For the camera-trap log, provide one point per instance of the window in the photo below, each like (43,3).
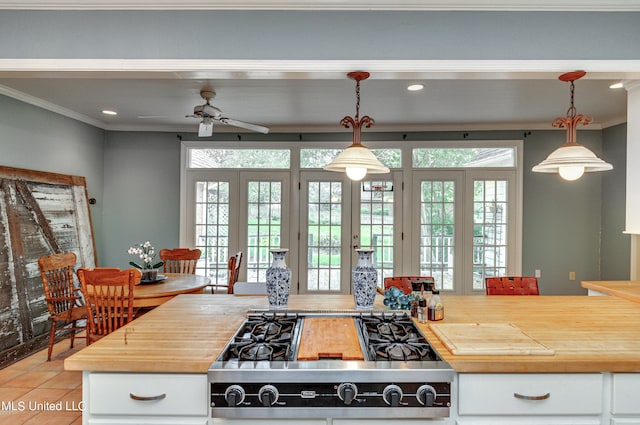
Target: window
(455,214)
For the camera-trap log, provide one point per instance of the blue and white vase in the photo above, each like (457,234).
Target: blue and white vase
(365,280)
(278,280)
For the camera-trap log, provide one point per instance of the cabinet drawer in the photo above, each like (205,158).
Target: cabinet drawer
(530,394)
(161,394)
(626,394)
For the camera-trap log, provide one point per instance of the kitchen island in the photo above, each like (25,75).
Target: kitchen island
(595,343)
(627,289)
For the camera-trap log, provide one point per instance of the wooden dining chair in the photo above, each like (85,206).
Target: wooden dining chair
(63,297)
(180,260)
(512,285)
(233,271)
(108,294)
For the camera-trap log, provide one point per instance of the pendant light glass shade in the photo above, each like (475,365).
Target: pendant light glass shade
(572,160)
(357,160)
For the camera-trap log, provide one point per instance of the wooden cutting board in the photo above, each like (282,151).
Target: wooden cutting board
(329,337)
(487,339)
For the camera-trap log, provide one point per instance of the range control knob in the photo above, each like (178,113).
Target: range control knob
(268,395)
(234,395)
(426,395)
(392,395)
(347,392)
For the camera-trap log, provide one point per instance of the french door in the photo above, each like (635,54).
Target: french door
(340,217)
(234,211)
(466,229)
(460,226)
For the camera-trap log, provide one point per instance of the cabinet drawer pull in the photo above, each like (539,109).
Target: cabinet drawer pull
(149,398)
(532,397)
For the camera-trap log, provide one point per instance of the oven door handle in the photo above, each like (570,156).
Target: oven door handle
(148,398)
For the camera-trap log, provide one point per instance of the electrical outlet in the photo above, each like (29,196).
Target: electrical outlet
(537,273)
(572,275)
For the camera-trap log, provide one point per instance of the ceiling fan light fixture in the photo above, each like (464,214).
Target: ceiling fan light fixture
(572,160)
(205,129)
(357,160)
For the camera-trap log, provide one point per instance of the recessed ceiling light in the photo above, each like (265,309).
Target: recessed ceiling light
(415,87)
(109,112)
(617,85)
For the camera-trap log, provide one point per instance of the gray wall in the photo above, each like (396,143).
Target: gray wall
(339,35)
(141,193)
(36,139)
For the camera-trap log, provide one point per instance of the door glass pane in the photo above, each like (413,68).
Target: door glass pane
(376,224)
(212,229)
(264,225)
(489,230)
(437,231)
(324,227)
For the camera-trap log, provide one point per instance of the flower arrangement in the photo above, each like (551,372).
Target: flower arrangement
(146,253)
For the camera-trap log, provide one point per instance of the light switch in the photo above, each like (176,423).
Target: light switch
(537,273)
(572,275)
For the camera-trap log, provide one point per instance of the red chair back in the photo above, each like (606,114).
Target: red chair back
(512,285)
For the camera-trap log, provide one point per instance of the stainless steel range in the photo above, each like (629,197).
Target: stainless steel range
(259,374)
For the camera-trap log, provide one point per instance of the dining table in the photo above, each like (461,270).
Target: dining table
(152,294)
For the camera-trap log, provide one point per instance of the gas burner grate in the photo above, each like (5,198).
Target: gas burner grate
(394,337)
(267,336)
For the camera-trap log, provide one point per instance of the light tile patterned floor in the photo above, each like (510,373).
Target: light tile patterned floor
(35,391)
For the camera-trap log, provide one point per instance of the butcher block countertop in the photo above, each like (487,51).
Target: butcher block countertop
(627,289)
(186,334)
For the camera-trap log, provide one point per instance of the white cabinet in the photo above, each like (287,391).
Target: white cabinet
(625,399)
(531,399)
(145,398)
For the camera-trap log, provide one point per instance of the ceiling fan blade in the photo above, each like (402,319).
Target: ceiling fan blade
(245,125)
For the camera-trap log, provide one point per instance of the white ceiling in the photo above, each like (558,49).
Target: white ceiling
(300,101)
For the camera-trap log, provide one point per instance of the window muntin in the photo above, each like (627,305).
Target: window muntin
(377,224)
(437,231)
(264,226)
(212,229)
(489,230)
(324,230)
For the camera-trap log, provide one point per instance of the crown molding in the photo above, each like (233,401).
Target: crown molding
(309,69)
(32,100)
(431,5)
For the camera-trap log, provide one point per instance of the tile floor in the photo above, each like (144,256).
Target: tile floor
(35,391)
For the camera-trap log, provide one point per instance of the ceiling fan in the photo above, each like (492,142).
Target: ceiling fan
(210,113)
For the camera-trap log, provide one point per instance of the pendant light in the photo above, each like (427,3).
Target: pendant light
(357,160)
(571,160)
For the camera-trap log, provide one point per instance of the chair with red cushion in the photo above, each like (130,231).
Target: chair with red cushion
(512,285)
